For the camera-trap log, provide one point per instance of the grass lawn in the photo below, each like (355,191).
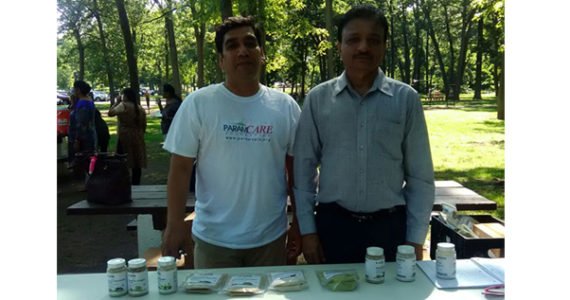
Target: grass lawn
(468,146)
(467,143)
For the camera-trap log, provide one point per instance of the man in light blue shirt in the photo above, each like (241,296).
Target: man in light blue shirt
(366,134)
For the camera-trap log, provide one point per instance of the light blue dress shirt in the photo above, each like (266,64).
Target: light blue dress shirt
(372,152)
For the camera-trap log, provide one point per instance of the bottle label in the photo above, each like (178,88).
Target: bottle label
(445,267)
(167,281)
(117,283)
(375,270)
(406,269)
(138,283)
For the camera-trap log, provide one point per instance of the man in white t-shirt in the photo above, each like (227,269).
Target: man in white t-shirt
(241,135)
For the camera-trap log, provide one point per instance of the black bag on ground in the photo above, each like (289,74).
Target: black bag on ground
(109,179)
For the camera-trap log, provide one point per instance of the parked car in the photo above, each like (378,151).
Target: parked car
(100,96)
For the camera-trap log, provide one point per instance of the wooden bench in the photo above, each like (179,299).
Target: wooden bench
(436,95)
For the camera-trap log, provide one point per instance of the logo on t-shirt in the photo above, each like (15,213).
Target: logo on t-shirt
(240,131)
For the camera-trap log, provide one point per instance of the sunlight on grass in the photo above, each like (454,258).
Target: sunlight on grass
(468,147)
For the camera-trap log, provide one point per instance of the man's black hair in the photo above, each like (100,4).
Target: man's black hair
(363,11)
(82,86)
(233,23)
(168,88)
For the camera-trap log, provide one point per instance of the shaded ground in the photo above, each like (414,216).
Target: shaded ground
(85,243)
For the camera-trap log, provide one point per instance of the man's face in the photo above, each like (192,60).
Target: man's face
(362,48)
(241,56)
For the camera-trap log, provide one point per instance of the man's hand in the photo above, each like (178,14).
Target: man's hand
(294,242)
(419,250)
(312,249)
(177,237)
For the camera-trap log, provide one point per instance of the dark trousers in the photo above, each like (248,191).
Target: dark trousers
(344,236)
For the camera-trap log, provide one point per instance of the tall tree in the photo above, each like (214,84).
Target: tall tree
(479,61)
(199,34)
(227,11)
(129,46)
(72,18)
(404,23)
(106,58)
(331,72)
(172,50)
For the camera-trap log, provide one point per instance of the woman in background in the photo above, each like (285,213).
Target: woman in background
(131,128)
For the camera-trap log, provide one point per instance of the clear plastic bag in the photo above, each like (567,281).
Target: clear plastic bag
(339,280)
(245,285)
(287,281)
(204,283)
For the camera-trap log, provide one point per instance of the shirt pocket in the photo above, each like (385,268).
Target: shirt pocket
(387,138)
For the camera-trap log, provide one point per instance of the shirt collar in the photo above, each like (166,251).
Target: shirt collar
(380,83)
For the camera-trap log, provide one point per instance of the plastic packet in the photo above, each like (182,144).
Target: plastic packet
(203,283)
(245,285)
(339,280)
(287,281)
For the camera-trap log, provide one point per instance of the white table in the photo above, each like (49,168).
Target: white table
(94,286)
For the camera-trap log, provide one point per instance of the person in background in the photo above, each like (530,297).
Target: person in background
(241,134)
(168,112)
(147,98)
(368,136)
(84,135)
(131,129)
(102,129)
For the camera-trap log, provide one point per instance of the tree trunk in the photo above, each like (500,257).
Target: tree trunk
(438,54)
(418,55)
(330,51)
(129,47)
(479,63)
(108,69)
(450,91)
(303,68)
(199,33)
(467,17)
(226,9)
(501,96)
(407,63)
(260,18)
(392,62)
(173,54)
(81,50)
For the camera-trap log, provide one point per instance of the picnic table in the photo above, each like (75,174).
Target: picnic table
(150,205)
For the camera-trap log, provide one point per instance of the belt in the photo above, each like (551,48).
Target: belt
(359,216)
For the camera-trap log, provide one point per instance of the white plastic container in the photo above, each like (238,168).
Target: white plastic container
(375,265)
(406,263)
(117,277)
(445,264)
(167,275)
(137,277)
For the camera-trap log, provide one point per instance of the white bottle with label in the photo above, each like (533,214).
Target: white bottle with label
(117,277)
(137,277)
(375,265)
(406,263)
(445,261)
(167,275)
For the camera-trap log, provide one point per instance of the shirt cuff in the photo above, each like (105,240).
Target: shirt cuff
(305,203)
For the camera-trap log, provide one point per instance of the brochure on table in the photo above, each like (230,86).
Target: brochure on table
(471,273)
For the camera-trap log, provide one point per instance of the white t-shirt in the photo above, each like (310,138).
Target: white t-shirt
(240,144)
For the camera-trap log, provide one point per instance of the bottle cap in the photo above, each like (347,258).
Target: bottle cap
(166,261)
(406,249)
(445,246)
(116,263)
(137,263)
(374,251)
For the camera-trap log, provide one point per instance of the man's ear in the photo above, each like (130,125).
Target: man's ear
(263,57)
